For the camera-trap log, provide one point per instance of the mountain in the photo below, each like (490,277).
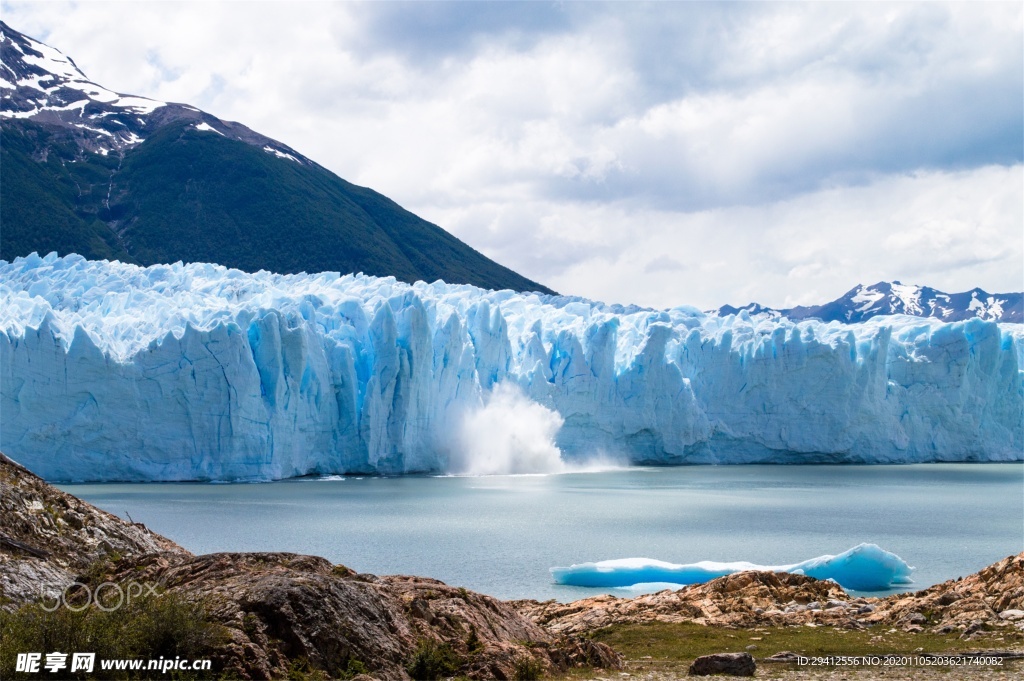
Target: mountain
(111,176)
(884,298)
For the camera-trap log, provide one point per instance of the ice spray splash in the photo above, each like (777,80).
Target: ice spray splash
(509,434)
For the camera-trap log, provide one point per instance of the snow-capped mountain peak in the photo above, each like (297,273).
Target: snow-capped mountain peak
(42,85)
(886,298)
(47,62)
(39,82)
(889,298)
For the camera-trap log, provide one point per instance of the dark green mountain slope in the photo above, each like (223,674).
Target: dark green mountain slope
(198,196)
(52,204)
(157,182)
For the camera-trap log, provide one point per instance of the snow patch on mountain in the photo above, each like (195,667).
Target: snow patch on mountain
(866,299)
(280,154)
(205,127)
(49,60)
(49,71)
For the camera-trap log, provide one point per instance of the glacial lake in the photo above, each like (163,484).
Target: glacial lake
(499,535)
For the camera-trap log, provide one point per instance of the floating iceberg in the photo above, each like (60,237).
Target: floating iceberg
(180,372)
(863,568)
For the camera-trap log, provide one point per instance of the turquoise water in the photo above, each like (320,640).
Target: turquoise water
(499,535)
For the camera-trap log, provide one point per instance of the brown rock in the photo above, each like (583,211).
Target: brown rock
(48,537)
(282,607)
(743,599)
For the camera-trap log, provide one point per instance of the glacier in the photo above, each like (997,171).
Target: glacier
(865,567)
(111,371)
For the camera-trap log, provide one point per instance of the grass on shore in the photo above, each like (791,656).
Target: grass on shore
(666,647)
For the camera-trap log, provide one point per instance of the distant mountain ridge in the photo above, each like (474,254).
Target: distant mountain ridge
(112,176)
(887,298)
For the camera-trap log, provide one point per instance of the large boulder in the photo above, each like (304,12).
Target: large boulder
(733,664)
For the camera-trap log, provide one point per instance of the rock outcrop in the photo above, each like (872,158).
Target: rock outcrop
(992,597)
(276,610)
(281,607)
(738,600)
(48,537)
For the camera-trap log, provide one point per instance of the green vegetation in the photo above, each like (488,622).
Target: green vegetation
(147,627)
(353,668)
(200,197)
(52,200)
(301,670)
(99,569)
(527,669)
(434,660)
(663,646)
(473,643)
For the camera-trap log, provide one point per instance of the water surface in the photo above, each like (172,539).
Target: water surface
(499,535)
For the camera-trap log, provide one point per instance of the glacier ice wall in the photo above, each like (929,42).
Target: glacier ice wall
(116,372)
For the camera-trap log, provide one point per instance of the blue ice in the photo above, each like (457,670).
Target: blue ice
(865,567)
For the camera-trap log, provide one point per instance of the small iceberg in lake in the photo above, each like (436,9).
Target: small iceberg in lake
(863,568)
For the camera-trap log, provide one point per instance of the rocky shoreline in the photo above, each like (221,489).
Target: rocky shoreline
(274,609)
(990,599)
(279,609)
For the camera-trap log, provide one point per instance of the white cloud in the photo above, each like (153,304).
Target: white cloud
(949,230)
(780,153)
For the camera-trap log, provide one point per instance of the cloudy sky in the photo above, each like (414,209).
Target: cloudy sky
(662,154)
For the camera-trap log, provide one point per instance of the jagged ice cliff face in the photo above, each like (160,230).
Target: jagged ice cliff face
(116,372)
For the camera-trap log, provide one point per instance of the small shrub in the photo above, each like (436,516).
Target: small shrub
(300,670)
(250,625)
(342,571)
(433,661)
(97,571)
(527,669)
(473,643)
(353,668)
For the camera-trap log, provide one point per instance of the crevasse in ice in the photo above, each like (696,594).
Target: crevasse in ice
(117,372)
